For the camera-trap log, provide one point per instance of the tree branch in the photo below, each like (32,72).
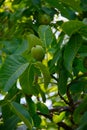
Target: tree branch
(65,126)
(45,115)
(63,98)
(60,109)
(71,102)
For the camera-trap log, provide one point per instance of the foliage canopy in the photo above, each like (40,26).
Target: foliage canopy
(47,94)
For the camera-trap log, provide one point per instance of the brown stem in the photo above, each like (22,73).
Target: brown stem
(59,109)
(65,126)
(63,98)
(71,102)
(45,115)
(54,77)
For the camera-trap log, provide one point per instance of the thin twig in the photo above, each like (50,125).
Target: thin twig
(45,115)
(54,77)
(63,98)
(65,126)
(60,109)
(71,102)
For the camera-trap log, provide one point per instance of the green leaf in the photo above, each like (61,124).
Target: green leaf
(60,6)
(45,34)
(3,102)
(83,5)
(31,106)
(71,50)
(33,41)
(79,85)
(11,46)
(82,127)
(6,112)
(83,123)
(83,31)
(72,27)
(62,81)
(1,2)
(26,80)
(37,120)
(45,72)
(22,113)
(79,110)
(16,2)
(12,121)
(75,4)
(58,50)
(42,108)
(84,118)
(12,68)
(58,118)
(22,47)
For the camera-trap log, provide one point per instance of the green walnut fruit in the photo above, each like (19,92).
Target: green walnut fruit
(38,52)
(85,62)
(44,19)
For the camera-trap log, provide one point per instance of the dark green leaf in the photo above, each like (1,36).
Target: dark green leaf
(12,121)
(75,4)
(42,108)
(26,80)
(6,112)
(62,81)
(22,113)
(80,110)
(60,6)
(37,120)
(71,50)
(16,1)
(1,2)
(83,5)
(79,85)
(72,26)
(31,106)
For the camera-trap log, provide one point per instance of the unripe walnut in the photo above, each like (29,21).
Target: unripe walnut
(44,19)
(38,52)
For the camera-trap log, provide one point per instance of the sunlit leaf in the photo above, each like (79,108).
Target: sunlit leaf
(58,118)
